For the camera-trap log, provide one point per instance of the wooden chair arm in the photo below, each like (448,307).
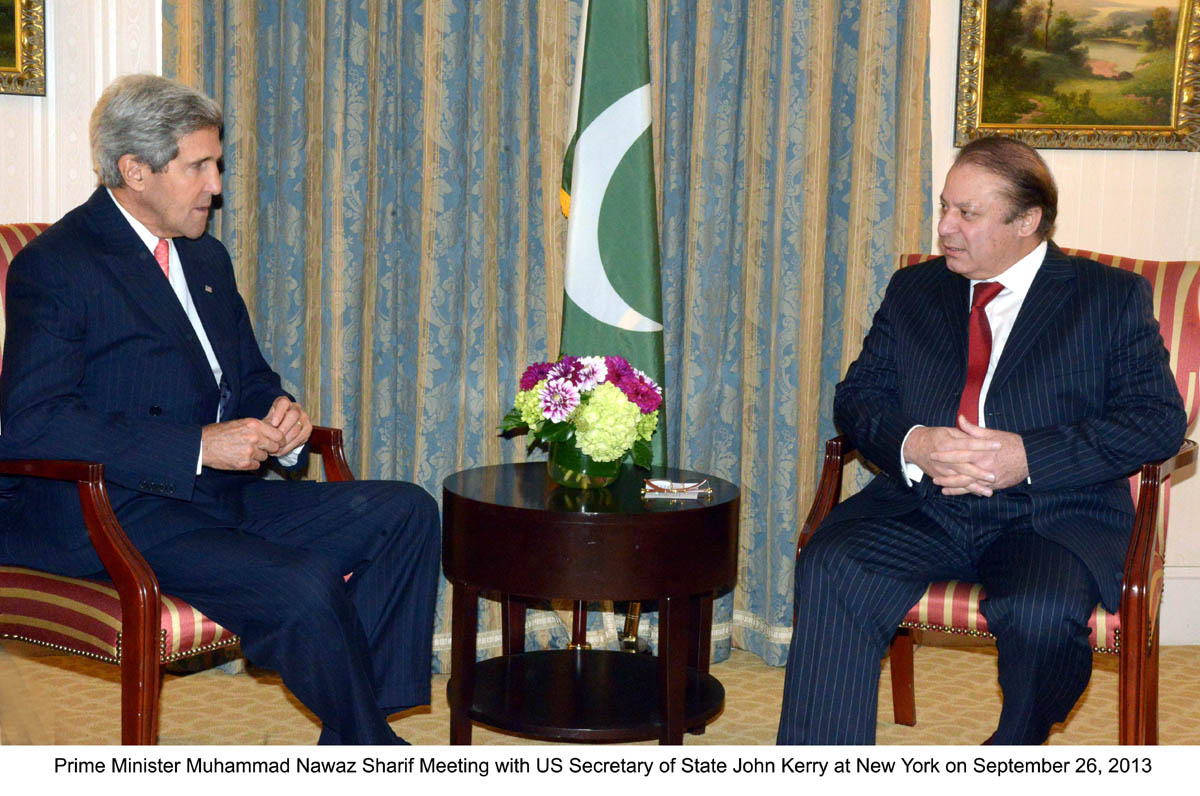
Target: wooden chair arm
(327,442)
(1142,584)
(829,488)
(118,555)
(137,588)
(58,470)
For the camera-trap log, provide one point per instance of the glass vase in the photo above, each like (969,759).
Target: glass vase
(571,467)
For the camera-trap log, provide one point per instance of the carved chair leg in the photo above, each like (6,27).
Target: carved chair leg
(1133,692)
(1150,696)
(904,702)
(141,682)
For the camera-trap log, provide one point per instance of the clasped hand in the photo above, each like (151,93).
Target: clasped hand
(968,459)
(245,443)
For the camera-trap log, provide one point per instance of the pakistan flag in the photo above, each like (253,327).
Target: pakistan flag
(613,302)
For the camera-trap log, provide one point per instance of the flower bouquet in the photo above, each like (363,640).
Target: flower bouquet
(592,412)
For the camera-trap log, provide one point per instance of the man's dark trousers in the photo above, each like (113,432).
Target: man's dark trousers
(352,651)
(856,580)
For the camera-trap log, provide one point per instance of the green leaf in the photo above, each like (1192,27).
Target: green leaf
(512,421)
(556,432)
(643,454)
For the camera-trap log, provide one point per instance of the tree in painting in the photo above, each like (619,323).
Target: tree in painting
(8,34)
(1079,62)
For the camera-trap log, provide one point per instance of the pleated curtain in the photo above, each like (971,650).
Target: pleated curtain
(391,206)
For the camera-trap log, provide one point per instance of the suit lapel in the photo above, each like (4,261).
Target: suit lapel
(954,300)
(133,266)
(1051,290)
(210,305)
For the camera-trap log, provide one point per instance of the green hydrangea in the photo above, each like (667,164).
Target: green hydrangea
(530,407)
(607,424)
(646,425)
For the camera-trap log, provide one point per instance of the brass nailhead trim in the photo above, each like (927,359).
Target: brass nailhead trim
(1114,650)
(162,655)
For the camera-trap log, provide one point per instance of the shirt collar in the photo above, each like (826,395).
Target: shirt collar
(1019,276)
(143,232)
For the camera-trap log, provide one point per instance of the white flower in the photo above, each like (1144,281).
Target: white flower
(558,399)
(593,372)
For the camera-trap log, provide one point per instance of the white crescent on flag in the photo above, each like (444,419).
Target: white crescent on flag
(598,152)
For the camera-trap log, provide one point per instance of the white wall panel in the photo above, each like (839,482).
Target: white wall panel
(44,158)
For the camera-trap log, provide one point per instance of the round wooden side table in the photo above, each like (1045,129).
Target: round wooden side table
(507,529)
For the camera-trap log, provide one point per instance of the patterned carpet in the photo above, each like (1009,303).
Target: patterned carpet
(46,698)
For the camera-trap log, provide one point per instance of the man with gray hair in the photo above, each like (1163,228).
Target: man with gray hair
(128,344)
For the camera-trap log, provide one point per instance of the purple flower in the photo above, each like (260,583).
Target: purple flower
(641,390)
(569,368)
(535,373)
(584,372)
(558,399)
(619,370)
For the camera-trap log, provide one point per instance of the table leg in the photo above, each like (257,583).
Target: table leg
(701,636)
(579,618)
(673,637)
(702,619)
(463,628)
(512,624)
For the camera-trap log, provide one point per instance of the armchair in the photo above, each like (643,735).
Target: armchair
(126,621)
(1132,632)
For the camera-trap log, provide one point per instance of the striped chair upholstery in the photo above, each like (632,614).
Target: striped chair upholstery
(953,606)
(127,621)
(13,238)
(84,617)
(74,614)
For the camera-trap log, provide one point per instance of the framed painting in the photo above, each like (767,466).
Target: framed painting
(23,47)
(1080,74)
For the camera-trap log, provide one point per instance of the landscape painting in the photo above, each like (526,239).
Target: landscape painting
(22,47)
(1080,72)
(8,34)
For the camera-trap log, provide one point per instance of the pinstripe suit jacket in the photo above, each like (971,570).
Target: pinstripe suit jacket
(1084,379)
(102,364)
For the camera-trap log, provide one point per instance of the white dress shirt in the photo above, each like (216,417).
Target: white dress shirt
(1001,314)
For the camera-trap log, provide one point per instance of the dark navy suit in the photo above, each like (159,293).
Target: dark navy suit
(102,364)
(1084,379)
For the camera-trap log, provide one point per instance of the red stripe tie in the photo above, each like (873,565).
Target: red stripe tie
(979,349)
(162,254)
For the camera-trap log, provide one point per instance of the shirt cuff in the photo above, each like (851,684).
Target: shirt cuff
(287,461)
(912,473)
(290,459)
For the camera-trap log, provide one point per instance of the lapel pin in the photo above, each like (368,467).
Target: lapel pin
(207,289)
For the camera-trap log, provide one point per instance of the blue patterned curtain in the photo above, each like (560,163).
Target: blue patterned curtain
(391,204)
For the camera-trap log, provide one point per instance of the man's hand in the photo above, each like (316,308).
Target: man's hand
(241,444)
(290,418)
(956,461)
(1005,464)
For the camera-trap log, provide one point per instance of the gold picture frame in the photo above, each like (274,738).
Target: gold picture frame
(23,47)
(1078,74)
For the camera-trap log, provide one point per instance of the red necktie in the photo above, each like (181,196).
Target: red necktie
(979,348)
(162,254)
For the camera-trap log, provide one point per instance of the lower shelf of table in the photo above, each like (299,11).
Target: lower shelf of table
(584,695)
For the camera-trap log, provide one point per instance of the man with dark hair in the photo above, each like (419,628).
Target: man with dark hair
(1004,392)
(128,344)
